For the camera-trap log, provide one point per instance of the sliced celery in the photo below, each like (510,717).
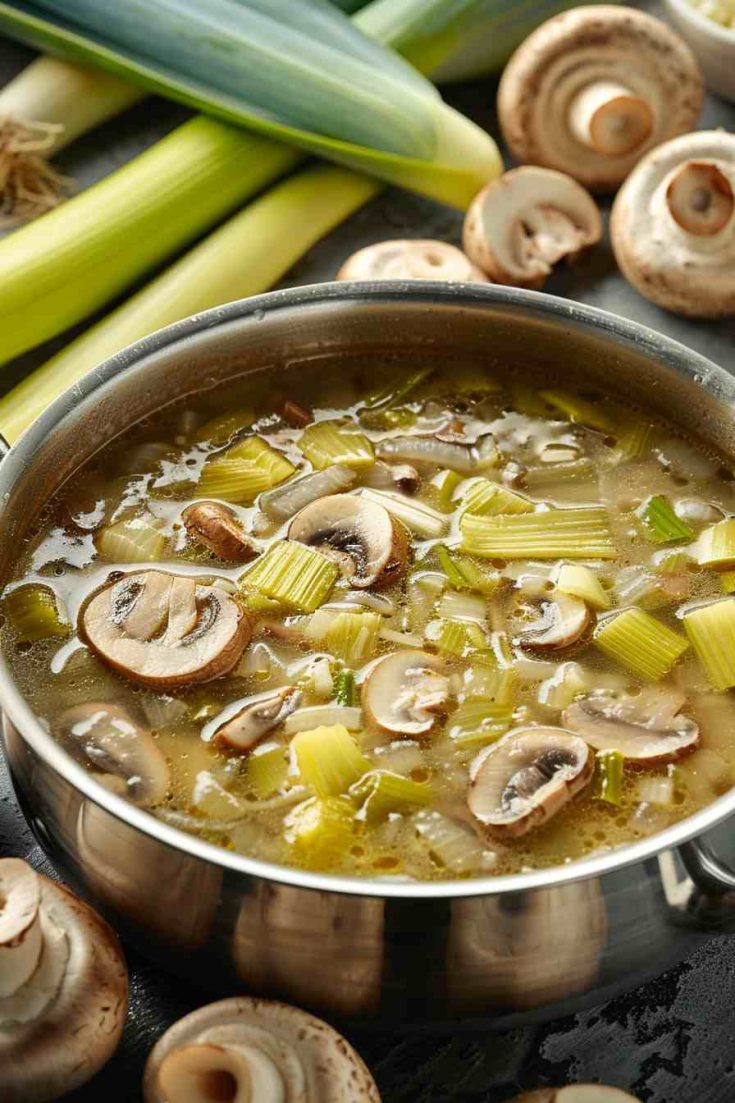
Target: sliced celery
(267,769)
(381,793)
(33,613)
(421,519)
(634,441)
(258,603)
(609,772)
(717,545)
(394,393)
(578,410)
(478,722)
(464,574)
(487,499)
(582,582)
(660,523)
(711,630)
(243,472)
(727,582)
(220,430)
(672,562)
(641,643)
(321,832)
(454,637)
(446,482)
(353,637)
(344,688)
(329,442)
(135,540)
(487,683)
(553,534)
(290,572)
(329,760)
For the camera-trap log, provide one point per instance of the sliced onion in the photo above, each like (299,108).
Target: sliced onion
(656,790)
(376,602)
(464,458)
(455,605)
(317,716)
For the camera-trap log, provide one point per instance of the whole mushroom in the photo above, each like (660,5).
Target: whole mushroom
(577,1093)
(593,89)
(247,1050)
(673,225)
(411,260)
(63,988)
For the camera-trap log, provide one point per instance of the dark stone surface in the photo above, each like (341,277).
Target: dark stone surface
(671,1041)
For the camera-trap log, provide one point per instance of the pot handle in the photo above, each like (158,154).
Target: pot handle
(713,901)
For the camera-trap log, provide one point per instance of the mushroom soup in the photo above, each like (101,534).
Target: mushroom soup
(448,626)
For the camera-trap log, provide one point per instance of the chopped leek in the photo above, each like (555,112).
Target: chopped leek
(727,582)
(446,482)
(486,499)
(329,760)
(641,643)
(344,688)
(451,844)
(459,605)
(711,630)
(329,442)
(554,534)
(577,410)
(397,392)
(717,545)
(33,613)
(381,793)
(464,574)
(421,519)
(298,576)
(321,832)
(582,582)
(609,773)
(633,442)
(243,471)
(660,523)
(220,430)
(135,540)
(454,637)
(353,637)
(267,769)
(478,722)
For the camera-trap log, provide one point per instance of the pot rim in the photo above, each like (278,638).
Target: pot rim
(702,371)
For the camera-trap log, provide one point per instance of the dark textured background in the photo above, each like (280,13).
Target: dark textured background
(671,1041)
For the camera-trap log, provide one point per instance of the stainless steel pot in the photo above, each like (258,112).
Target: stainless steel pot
(496,948)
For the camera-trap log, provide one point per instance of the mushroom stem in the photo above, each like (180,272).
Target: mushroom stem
(700,198)
(610,118)
(208,1073)
(20,930)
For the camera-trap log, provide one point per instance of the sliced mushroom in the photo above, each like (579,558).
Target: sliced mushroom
(673,225)
(405,692)
(63,988)
(251,1049)
(216,527)
(522,224)
(411,260)
(647,728)
(562,622)
(293,413)
(257,718)
(105,737)
(370,546)
(523,780)
(577,1093)
(465,458)
(398,476)
(593,89)
(164,630)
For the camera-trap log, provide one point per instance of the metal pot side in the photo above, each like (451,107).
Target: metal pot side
(496,949)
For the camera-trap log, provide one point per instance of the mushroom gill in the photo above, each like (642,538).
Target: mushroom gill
(253,719)
(165,631)
(593,89)
(673,225)
(525,778)
(561,622)
(249,1050)
(406,692)
(411,260)
(648,728)
(63,988)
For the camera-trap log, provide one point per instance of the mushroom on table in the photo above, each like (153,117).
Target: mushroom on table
(63,988)
(411,260)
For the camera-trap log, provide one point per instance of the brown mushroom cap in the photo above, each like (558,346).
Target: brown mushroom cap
(562,622)
(253,720)
(370,546)
(593,89)
(62,1015)
(106,737)
(576,1093)
(246,1048)
(216,527)
(522,224)
(164,630)
(525,778)
(647,728)
(405,691)
(673,225)
(411,260)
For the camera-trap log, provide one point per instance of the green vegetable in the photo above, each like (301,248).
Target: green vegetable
(455,637)
(380,793)
(577,410)
(321,832)
(553,534)
(290,572)
(328,442)
(581,582)
(464,574)
(33,613)
(243,471)
(328,759)
(717,548)
(486,499)
(479,721)
(727,582)
(344,688)
(609,775)
(397,392)
(445,483)
(267,769)
(135,540)
(711,630)
(641,643)
(353,637)
(421,519)
(660,523)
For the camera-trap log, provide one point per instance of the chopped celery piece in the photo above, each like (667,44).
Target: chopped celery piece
(33,613)
(453,637)
(464,574)
(329,442)
(329,759)
(459,605)
(553,534)
(135,540)
(527,401)
(478,722)
(484,682)
(487,499)
(609,770)
(353,637)
(672,562)
(558,691)
(660,523)
(321,832)
(344,688)
(446,482)
(634,441)
(727,582)
(641,643)
(290,572)
(711,630)
(582,582)
(717,545)
(220,430)
(397,392)
(267,769)
(577,410)
(258,603)
(380,793)
(243,472)
(421,519)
